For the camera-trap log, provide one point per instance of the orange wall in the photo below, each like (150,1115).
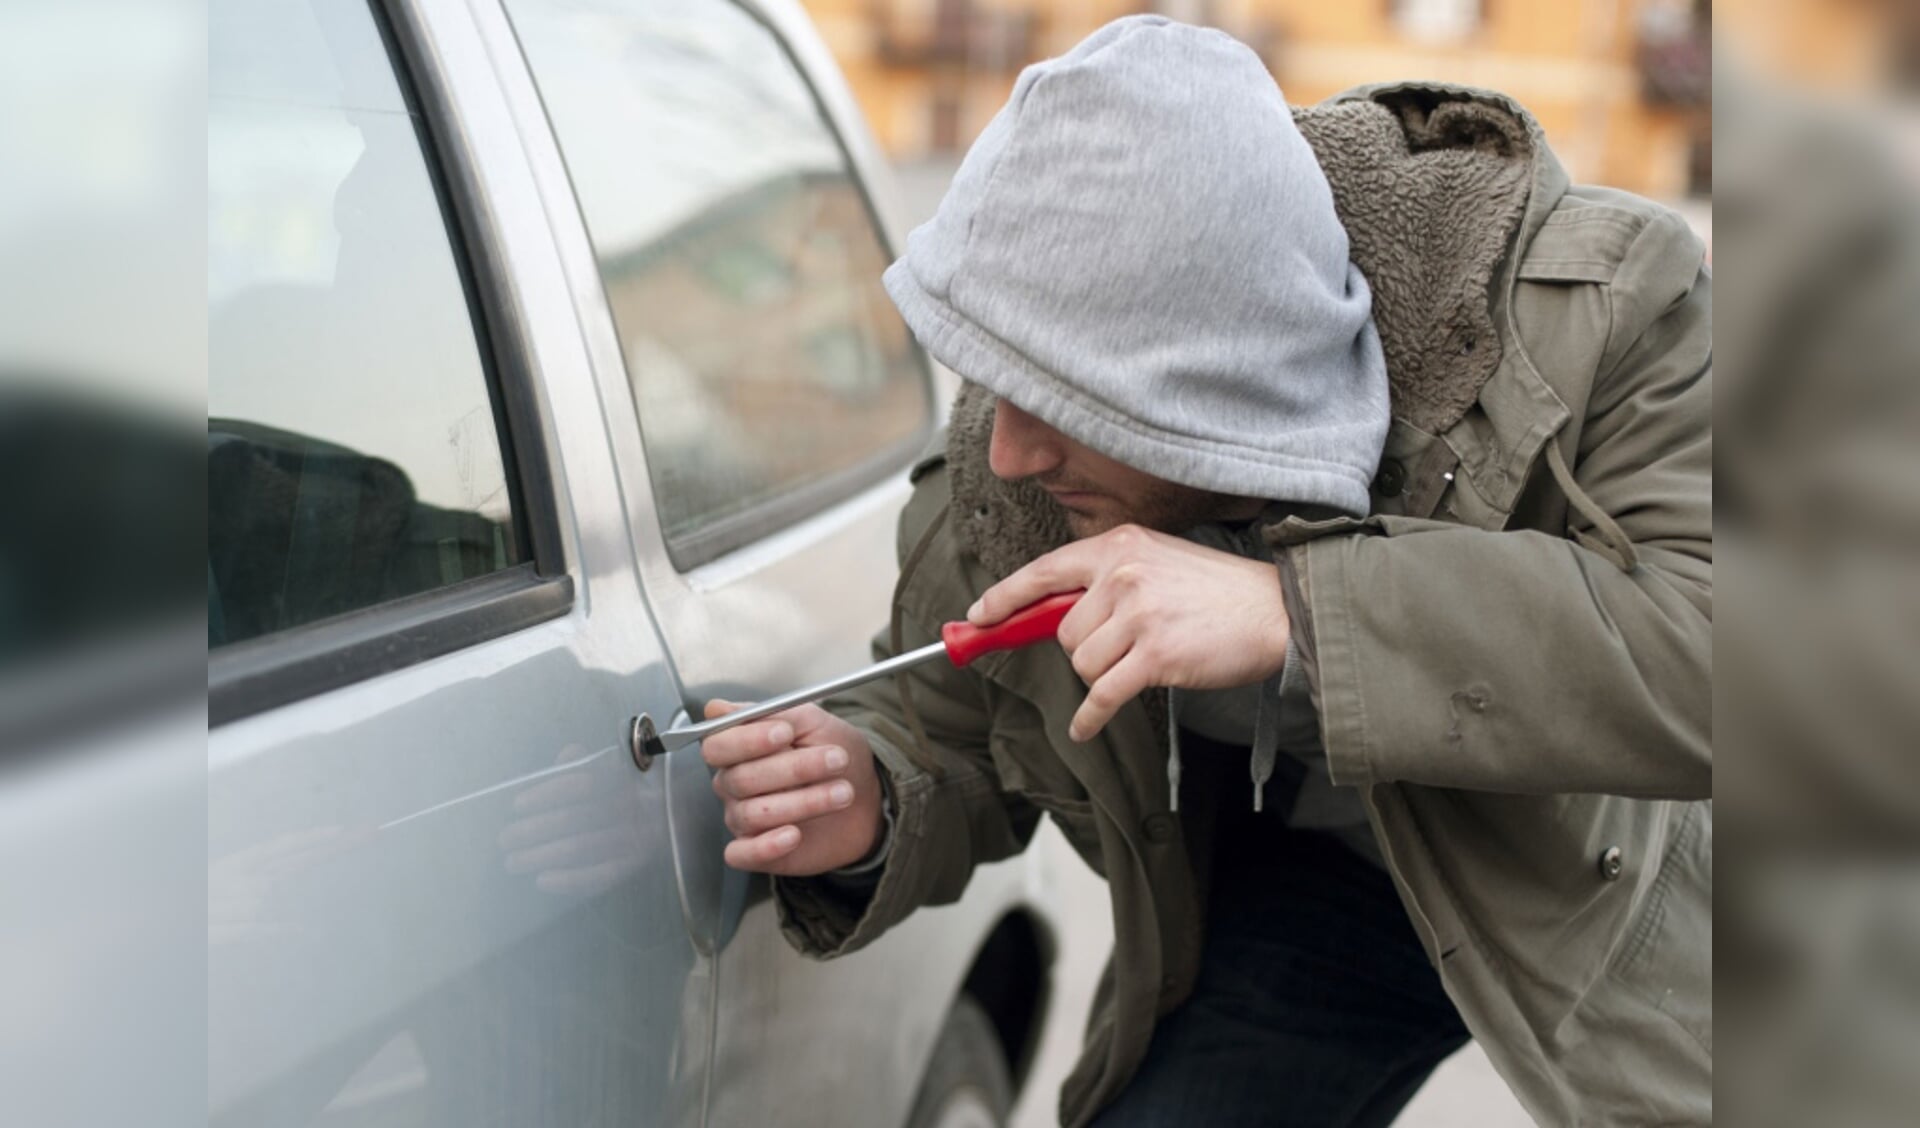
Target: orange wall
(1838,45)
(1569,61)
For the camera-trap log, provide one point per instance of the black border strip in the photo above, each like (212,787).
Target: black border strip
(259,674)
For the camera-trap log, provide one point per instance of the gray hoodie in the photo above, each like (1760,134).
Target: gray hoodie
(1142,251)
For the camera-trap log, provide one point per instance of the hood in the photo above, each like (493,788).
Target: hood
(1434,183)
(1142,251)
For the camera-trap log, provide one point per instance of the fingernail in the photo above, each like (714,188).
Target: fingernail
(1073,733)
(977,610)
(840,794)
(780,735)
(788,838)
(836,759)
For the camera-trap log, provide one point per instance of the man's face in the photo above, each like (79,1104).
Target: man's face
(1098,493)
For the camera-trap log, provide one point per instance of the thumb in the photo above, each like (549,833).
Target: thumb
(719,707)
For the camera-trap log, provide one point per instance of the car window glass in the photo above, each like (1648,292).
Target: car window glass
(353,450)
(770,371)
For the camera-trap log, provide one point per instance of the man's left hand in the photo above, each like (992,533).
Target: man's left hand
(1159,611)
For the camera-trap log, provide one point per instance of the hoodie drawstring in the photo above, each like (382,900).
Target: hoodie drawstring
(1266,737)
(1173,750)
(1613,542)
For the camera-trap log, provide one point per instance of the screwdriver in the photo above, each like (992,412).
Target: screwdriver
(960,643)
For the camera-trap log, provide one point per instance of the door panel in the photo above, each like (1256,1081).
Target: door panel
(490,882)
(764,397)
(713,893)
(443,894)
(798,1041)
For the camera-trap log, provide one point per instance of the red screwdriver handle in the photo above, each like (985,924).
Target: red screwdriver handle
(1033,623)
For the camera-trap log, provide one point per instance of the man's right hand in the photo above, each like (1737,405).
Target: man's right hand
(801,793)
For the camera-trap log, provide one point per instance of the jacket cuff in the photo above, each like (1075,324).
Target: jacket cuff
(865,873)
(835,913)
(1314,586)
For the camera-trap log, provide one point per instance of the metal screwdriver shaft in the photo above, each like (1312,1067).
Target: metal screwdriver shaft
(960,643)
(675,738)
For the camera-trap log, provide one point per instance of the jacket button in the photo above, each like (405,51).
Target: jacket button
(1391,479)
(1611,863)
(1161,827)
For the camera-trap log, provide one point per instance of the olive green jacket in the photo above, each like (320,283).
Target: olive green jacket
(1511,658)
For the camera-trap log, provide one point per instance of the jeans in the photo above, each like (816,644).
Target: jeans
(1315,1004)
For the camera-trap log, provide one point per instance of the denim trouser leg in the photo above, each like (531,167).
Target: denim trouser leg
(1315,1004)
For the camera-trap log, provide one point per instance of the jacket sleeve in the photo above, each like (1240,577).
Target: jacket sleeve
(950,813)
(1522,661)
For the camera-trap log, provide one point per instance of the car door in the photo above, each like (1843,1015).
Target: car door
(764,397)
(765,401)
(440,891)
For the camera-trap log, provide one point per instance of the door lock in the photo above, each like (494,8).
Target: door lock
(643,742)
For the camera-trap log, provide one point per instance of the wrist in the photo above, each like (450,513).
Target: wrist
(1276,629)
(882,840)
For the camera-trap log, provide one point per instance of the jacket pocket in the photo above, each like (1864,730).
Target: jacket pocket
(1668,958)
(1024,760)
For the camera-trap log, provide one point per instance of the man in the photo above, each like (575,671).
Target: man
(1460,648)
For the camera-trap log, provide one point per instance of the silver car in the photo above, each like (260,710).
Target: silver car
(550,381)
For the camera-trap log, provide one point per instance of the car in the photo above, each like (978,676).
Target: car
(550,384)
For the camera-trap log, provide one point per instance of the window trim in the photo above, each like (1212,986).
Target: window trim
(757,522)
(482,265)
(261,673)
(254,675)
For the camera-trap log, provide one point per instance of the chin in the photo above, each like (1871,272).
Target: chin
(1084,525)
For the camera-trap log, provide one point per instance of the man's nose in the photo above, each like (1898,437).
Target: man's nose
(1022,445)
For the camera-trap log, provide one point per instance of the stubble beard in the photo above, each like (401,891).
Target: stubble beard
(1163,507)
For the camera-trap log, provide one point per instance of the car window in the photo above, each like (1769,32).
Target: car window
(353,445)
(741,262)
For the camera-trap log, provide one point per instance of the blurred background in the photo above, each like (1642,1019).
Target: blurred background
(1622,87)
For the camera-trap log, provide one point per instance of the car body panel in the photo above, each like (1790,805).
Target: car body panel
(379,953)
